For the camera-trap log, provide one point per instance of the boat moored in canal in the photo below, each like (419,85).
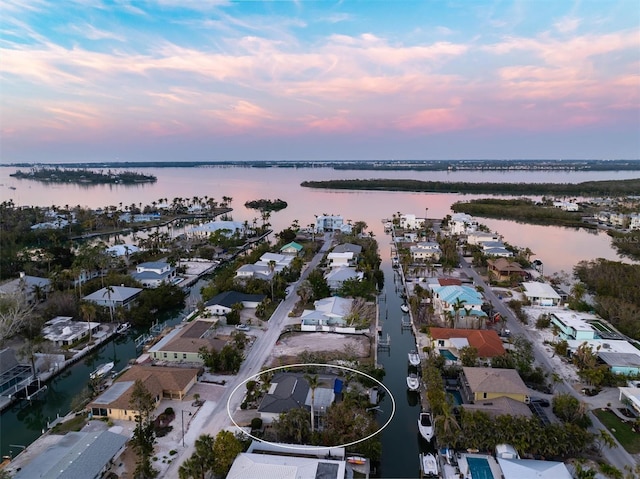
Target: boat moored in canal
(425,425)
(413,382)
(102,370)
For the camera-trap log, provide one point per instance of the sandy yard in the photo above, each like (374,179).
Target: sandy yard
(292,345)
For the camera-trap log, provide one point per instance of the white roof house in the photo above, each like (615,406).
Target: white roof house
(339,260)
(533,469)
(479,237)
(228,227)
(631,397)
(154,273)
(260,466)
(337,276)
(64,331)
(122,250)
(541,294)
(114,296)
(334,306)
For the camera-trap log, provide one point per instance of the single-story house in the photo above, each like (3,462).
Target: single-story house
(541,294)
(114,296)
(161,382)
(328,313)
(485,341)
(182,345)
(479,384)
(291,390)
(356,249)
(288,461)
(293,249)
(222,303)
(228,228)
(504,270)
(265,267)
(80,454)
(631,397)
(119,250)
(337,276)
(479,237)
(500,406)
(64,331)
(619,355)
(533,469)
(34,288)
(153,274)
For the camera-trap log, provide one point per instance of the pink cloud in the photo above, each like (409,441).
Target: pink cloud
(432,121)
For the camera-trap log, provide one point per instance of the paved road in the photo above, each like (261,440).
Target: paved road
(215,419)
(616,456)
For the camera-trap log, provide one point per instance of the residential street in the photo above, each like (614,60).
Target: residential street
(213,419)
(617,456)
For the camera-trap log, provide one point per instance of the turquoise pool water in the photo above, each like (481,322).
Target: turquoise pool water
(448,355)
(457,397)
(479,468)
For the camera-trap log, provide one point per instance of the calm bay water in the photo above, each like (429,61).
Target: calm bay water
(559,248)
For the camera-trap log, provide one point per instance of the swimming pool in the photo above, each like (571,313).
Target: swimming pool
(479,467)
(457,397)
(448,355)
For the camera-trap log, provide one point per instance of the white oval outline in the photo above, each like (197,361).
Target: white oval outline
(305,447)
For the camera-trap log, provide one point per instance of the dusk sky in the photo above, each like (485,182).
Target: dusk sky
(97,80)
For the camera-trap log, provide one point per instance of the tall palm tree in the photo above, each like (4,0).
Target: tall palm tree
(88,312)
(457,306)
(313,382)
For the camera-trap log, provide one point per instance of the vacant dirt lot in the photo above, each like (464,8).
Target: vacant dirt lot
(290,346)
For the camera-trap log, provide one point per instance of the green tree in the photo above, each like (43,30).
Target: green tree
(568,409)
(469,356)
(144,437)
(293,426)
(225,450)
(201,462)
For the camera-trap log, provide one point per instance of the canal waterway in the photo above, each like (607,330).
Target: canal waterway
(24,421)
(401,442)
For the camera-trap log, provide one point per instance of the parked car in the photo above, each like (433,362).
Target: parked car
(542,401)
(242,327)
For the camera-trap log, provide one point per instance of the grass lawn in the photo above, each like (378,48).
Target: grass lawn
(74,424)
(620,430)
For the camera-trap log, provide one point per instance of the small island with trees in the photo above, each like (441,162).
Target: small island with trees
(83,176)
(266,205)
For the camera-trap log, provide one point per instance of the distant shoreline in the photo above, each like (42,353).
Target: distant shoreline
(587,188)
(370,165)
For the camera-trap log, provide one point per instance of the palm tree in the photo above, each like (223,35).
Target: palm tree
(88,312)
(313,384)
(457,306)
(108,290)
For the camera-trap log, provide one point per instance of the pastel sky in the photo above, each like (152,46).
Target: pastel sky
(120,80)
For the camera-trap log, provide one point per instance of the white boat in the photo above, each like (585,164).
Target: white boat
(414,358)
(425,426)
(404,307)
(122,327)
(413,382)
(102,370)
(429,465)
